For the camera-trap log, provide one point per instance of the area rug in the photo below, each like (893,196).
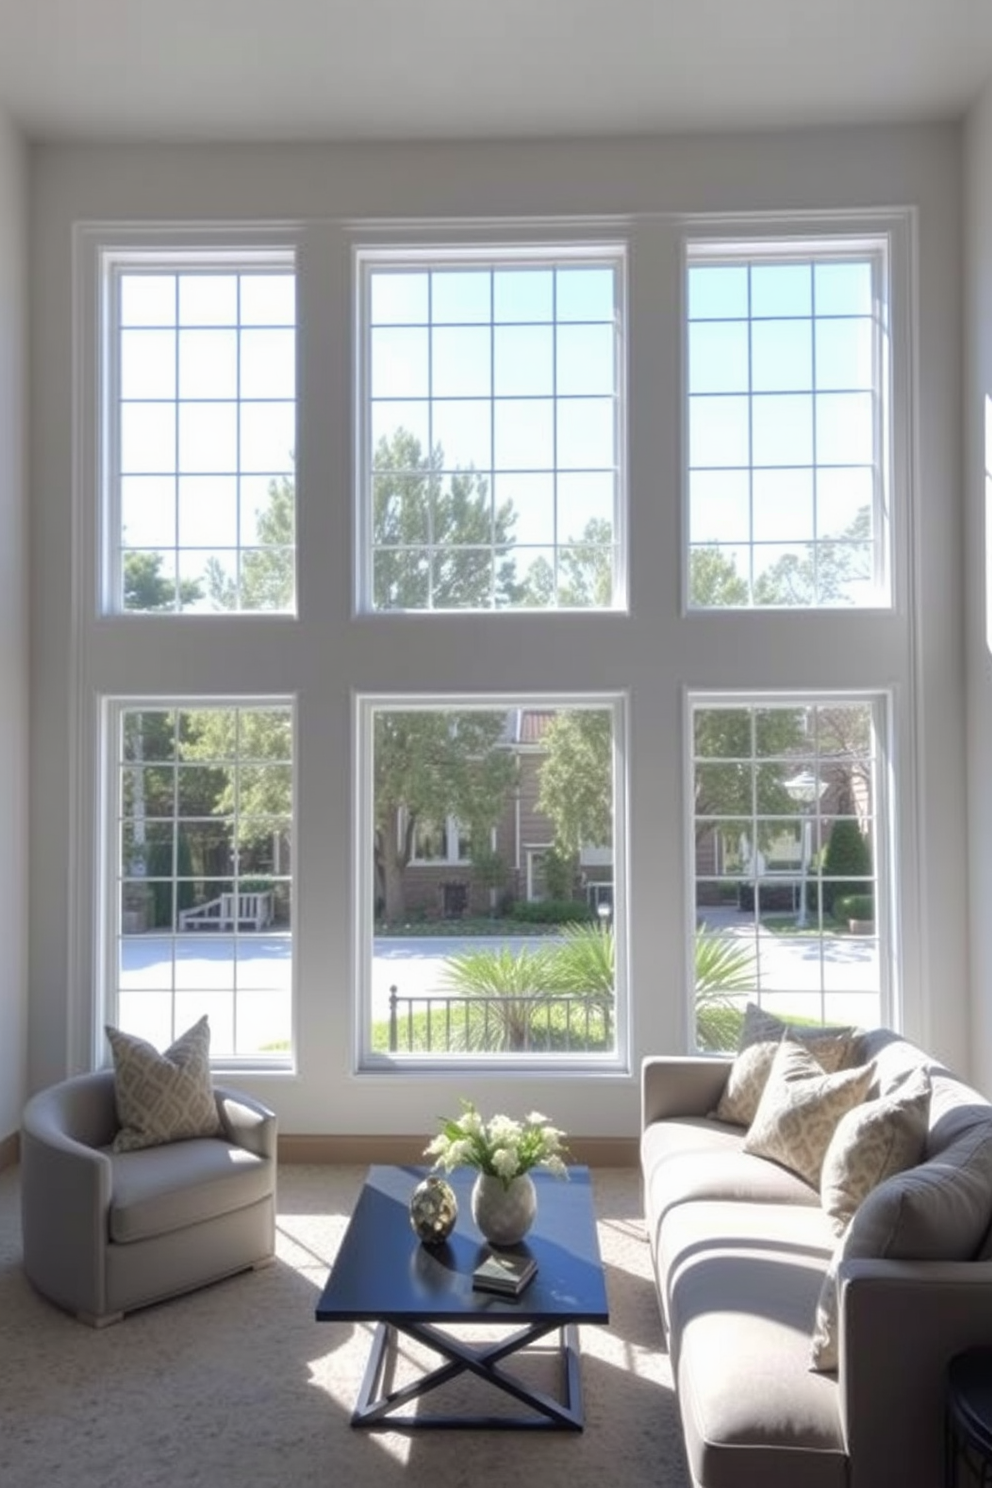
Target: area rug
(237,1386)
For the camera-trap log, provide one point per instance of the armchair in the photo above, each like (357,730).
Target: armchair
(107,1232)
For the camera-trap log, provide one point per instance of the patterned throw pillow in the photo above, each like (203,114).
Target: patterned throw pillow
(871,1143)
(163,1097)
(800,1108)
(835,1048)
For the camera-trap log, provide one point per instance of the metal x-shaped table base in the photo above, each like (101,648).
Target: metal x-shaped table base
(375,1409)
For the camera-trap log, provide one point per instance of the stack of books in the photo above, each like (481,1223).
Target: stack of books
(505,1273)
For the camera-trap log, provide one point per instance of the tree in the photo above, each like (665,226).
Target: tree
(714,580)
(434,533)
(727,783)
(429,766)
(847,853)
(268,571)
(585,572)
(824,572)
(147,588)
(576,779)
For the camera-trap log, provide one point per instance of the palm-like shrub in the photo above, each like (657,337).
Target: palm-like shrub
(500,979)
(583,963)
(724,969)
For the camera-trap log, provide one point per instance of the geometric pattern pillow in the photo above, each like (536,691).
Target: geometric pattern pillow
(871,1143)
(835,1048)
(800,1108)
(163,1097)
(939,1210)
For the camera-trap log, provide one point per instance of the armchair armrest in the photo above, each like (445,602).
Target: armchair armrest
(900,1324)
(65,1202)
(681,1085)
(247,1122)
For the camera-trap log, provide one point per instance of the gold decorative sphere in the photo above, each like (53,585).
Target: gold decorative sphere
(433,1210)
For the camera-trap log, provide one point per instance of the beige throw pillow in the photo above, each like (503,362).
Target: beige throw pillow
(873,1141)
(835,1048)
(800,1108)
(938,1211)
(163,1097)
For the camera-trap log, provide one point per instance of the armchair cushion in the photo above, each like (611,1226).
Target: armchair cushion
(163,1097)
(173,1187)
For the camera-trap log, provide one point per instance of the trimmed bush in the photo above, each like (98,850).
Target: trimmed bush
(848,857)
(854,907)
(552,911)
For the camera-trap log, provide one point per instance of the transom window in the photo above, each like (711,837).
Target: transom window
(202,433)
(788,424)
(202,875)
(491,444)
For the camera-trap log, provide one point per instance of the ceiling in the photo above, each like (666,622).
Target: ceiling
(462,69)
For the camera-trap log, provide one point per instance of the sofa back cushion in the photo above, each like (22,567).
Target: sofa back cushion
(800,1108)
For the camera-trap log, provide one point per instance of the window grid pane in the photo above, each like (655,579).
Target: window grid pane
(203,459)
(203,878)
(789,889)
(787,428)
(492,453)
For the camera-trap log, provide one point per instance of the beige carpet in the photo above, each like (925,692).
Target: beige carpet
(236,1386)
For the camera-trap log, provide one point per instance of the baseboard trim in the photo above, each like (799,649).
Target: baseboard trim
(10,1150)
(596,1152)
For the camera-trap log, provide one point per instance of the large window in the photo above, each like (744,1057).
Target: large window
(788,424)
(202,433)
(500,953)
(790,862)
(202,893)
(492,441)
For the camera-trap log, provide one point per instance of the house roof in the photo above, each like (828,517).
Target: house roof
(458,69)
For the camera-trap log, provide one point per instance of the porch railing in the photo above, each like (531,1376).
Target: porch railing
(536,1023)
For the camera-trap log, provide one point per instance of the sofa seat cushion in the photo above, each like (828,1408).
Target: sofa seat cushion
(159,1189)
(695,1157)
(742,1282)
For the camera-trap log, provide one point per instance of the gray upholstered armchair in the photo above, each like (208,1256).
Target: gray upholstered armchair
(106,1232)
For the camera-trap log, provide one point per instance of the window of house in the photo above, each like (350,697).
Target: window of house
(496,970)
(788,424)
(491,445)
(790,846)
(201,897)
(201,432)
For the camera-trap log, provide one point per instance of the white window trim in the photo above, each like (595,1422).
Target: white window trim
(886,844)
(893,233)
(463,246)
(364,707)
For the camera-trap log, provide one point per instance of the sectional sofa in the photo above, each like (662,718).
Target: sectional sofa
(809,1344)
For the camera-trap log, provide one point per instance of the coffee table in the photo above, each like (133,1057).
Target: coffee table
(383,1274)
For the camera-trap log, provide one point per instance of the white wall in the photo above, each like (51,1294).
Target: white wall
(920,658)
(978,496)
(13,628)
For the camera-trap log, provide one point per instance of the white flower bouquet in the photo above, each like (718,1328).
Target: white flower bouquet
(501,1147)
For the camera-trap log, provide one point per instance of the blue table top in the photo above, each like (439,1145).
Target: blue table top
(382,1271)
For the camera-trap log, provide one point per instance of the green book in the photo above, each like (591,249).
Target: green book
(501,1272)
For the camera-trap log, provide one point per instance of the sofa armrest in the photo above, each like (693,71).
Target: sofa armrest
(247,1122)
(681,1085)
(900,1324)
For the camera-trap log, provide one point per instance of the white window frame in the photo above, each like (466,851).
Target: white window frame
(111,712)
(886,846)
(888,243)
(365,705)
(174,250)
(464,249)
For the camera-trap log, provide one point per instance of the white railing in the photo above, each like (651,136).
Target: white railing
(254,910)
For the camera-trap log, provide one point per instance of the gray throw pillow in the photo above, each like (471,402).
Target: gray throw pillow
(873,1141)
(163,1097)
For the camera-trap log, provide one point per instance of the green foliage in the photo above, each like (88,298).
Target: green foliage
(854,907)
(726,783)
(846,863)
(714,580)
(585,573)
(820,574)
(507,980)
(551,911)
(583,963)
(724,968)
(268,571)
(560,873)
(576,779)
(147,589)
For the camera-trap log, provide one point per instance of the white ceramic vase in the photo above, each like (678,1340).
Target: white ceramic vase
(504,1214)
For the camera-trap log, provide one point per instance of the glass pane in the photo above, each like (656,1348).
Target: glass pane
(524,434)
(148,511)
(399,297)
(532,499)
(208,437)
(461,362)
(524,361)
(208,364)
(585,294)
(845,432)
(208,299)
(719,431)
(461,295)
(462,429)
(843,289)
(208,511)
(782,429)
(148,438)
(148,364)
(148,299)
(268,364)
(844,354)
(782,355)
(585,360)
(719,506)
(586,505)
(719,361)
(268,299)
(781,289)
(399,364)
(522,295)
(586,433)
(783,505)
(718,292)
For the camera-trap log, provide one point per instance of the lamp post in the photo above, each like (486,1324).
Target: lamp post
(806,789)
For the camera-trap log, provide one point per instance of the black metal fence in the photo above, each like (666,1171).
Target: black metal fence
(535,1023)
